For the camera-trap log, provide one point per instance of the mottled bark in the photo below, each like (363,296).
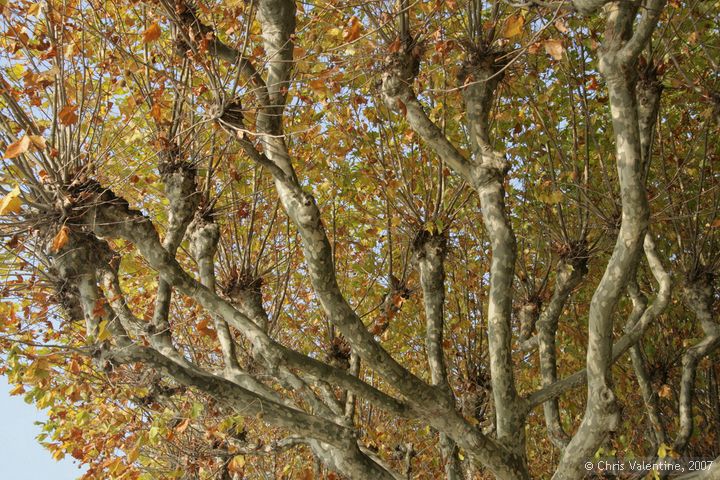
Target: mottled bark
(649,395)
(485,174)
(568,277)
(698,296)
(203,239)
(430,251)
(618,57)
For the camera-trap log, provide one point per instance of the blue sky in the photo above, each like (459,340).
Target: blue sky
(21,456)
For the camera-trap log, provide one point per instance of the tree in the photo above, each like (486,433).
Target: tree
(362,240)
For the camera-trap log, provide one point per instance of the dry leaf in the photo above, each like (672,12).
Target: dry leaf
(67,115)
(513,26)
(10,202)
(156,112)
(38,141)
(182,426)
(395,46)
(236,464)
(152,33)
(62,238)
(554,48)
(18,148)
(665,391)
(561,26)
(402,107)
(352,32)
(317,84)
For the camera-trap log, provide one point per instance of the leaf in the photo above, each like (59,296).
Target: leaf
(353,31)
(561,26)
(152,33)
(18,148)
(317,85)
(665,391)
(236,464)
(10,202)
(554,48)
(513,26)
(67,115)
(156,112)
(18,390)
(395,46)
(37,141)
(182,426)
(62,238)
(103,332)
(402,107)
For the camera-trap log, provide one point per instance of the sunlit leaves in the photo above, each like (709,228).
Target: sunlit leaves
(18,147)
(61,239)
(11,202)
(152,33)
(513,26)
(554,48)
(68,115)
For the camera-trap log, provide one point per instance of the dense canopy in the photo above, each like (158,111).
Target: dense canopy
(366,240)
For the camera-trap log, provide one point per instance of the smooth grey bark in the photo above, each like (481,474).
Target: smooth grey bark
(698,296)
(485,174)
(181,192)
(204,236)
(618,58)
(430,252)
(649,395)
(568,277)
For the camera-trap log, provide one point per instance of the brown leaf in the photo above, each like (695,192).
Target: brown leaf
(67,115)
(61,239)
(18,148)
(402,107)
(38,141)
(182,426)
(152,33)
(353,31)
(156,112)
(665,391)
(395,46)
(554,48)
(561,26)
(513,26)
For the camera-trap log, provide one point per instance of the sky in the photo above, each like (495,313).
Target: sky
(21,456)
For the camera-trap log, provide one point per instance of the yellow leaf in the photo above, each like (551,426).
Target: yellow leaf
(38,141)
(18,148)
(152,33)
(554,48)
(61,239)
(513,26)
(33,10)
(19,390)
(10,202)
(236,464)
(103,333)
